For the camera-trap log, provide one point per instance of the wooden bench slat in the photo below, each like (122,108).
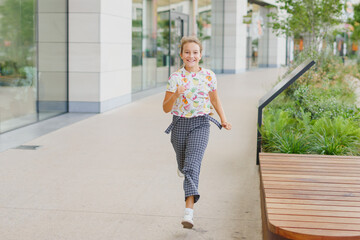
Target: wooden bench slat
(316,172)
(314,219)
(310,168)
(318,225)
(312,186)
(306,156)
(316,189)
(312,163)
(312,212)
(313,202)
(316,164)
(313,207)
(313,197)
(313,178)
(312,192)
(317,234)
(311,160)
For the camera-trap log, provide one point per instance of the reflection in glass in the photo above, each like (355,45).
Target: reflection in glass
(144,57)
(149,44)
(33,62)
(255,31)
(179,27)
(163,46)
(137,45)
(18,76)
(159,25)
(258,37)
(204,31)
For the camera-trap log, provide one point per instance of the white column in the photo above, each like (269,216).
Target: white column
(52,58)
(99,54)
(281,51)
(234,36)
(264,40)
(217,36)
(84,55)
(115,52)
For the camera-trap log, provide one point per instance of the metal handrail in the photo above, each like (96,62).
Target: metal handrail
(275,91)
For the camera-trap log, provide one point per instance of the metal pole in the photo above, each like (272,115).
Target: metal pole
(260,109)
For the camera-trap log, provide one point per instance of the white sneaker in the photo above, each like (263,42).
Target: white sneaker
(187,220)
(179,173)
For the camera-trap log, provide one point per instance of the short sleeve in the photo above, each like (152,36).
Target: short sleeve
(172,83)
(213,82)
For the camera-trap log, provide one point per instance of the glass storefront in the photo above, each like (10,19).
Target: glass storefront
(257,36)
(158,26)
(33,61)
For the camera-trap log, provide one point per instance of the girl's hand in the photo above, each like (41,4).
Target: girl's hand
(226,125)
(180,90)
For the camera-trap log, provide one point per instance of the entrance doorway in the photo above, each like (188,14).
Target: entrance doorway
(172,26)
(179,27)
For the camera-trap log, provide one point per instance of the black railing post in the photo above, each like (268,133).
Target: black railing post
(259,135)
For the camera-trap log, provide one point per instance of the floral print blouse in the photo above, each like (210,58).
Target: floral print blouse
(195,101)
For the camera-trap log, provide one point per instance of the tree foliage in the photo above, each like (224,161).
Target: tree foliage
(311,19)
(356,23)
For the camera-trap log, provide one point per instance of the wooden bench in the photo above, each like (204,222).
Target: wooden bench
(310,197)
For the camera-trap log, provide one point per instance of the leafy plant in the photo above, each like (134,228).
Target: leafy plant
(336,137)
(279,134)
(315,115)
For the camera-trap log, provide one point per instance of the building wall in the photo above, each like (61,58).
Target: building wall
(100,51)
(115,39)
(99,54)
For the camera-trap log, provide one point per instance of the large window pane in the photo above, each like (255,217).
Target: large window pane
(33,61)
(18,78)
(137,45)
(163,44)
(144,45)
(158,26)
(149,43)
(210,30)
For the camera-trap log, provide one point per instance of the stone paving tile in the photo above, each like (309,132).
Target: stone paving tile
(113,175)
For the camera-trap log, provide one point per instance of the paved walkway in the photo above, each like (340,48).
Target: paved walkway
(113,175)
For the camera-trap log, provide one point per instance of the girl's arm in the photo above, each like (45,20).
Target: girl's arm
(171,97)
(215,101)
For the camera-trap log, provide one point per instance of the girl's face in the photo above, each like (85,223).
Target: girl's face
(191,55)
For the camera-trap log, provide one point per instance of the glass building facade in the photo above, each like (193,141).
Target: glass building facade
(37,81)
(158,26)
(257,53)
(33,61)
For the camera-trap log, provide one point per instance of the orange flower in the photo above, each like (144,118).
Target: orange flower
(208,78)
(184,80)
(185,101)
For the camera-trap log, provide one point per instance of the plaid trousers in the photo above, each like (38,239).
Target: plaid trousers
(189,137)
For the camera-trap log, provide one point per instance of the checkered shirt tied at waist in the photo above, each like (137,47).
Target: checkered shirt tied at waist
(176,118)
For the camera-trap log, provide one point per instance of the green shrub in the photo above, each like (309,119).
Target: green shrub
(288,142)
(279,134)
(337,136)
(317,114)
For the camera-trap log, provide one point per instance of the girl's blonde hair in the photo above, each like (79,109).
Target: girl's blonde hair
(189,39)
